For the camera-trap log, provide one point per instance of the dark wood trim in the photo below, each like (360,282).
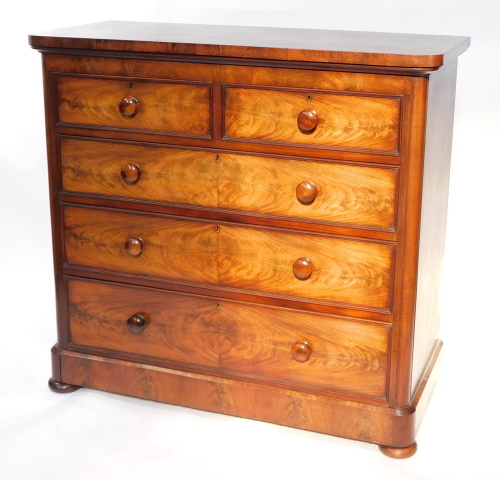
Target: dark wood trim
(56,363)
(60,387)
(357,160)
(264,149)
(308,145)
(133,130)
(227,292)
(312,91)
(55,186)
(229,224)
(440,112)
(217,110)
(231,294)
(408,243)
(131,79)
(229,215)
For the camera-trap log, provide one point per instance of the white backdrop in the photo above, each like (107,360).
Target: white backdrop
(91,434)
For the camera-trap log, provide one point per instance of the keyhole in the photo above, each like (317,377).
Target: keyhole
(131,85)
(309,98)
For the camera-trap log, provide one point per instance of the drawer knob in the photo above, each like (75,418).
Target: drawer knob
(136,324)
(301,351)
(307,121)
(306,192)
(128,106)
(131,173)
(134,246)
(303,268)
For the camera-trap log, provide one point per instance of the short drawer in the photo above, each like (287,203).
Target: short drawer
(167,107)
(253,259)
(328,120)
(307,190)
(257,342)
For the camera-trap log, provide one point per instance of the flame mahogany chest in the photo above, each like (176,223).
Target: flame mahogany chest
(251,221)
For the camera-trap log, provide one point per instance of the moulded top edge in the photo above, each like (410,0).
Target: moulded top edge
(285,44)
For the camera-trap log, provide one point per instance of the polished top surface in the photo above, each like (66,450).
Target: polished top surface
(329,46)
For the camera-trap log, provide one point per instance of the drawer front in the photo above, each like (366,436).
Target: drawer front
(141,245)
(346,272)
(266,343)
(165,107)
(307,190)
(139,172)
(326,120)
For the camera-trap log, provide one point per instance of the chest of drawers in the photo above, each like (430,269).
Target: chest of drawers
(251,220)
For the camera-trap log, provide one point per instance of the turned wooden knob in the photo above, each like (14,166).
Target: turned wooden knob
(302,268)
(128,106)
(136,324)
(306,192)
(301,351)
(131,173)
(134,246)
(307,120)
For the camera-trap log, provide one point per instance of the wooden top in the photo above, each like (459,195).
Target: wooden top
(324,46)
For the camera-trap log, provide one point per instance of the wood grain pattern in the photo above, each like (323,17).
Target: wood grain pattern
(399,452)
(432,235)
(353,418)
(386,84)
(167,174)
(275,75)
(349,272)
(348,121)
(206,345)
(244,339)
(166,107)
(173,249)
(345,271)
(244,399)
(341,47)
(310,82)
(348,194)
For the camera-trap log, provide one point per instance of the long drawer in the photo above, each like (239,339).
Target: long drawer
(331,269)
(308,190)
(266,343)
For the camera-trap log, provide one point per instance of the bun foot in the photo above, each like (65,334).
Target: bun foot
(399,452)
(60,387)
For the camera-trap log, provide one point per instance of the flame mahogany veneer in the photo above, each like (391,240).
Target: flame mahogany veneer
(251,221)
